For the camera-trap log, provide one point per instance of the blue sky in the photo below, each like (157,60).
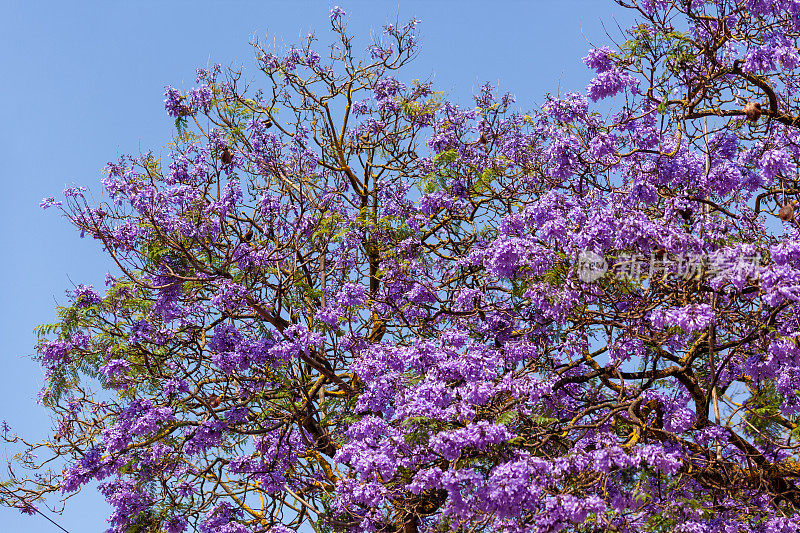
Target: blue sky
(83,82)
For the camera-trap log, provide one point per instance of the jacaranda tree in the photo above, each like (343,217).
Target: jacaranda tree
(344,302)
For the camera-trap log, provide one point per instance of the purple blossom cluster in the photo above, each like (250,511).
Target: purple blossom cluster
(379,322)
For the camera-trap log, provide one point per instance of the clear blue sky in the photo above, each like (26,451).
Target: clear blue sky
(83,83)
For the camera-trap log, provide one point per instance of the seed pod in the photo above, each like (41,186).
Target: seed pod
(686,213)
(268,124)
(753,111)
(658,253)
(249,235)
(737,66)
(786,213)
(226,157)
(483,139)
(214,401)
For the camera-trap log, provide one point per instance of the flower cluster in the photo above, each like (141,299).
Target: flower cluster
(344,299)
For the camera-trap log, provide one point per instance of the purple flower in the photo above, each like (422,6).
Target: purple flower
(116,369)
(229,296)
(173,103)
(86,296)
(506,256)
(689,318)
(351,295)
(55,352)
(71,192)
(480,436)
(600,59)
(572,107)
(775,162)
(176,524)
(337,12)
(49,202)
(779,52)
(27,508)
(200,98)
(609,83)
(330,315)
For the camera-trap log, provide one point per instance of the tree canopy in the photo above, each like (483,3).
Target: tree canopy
(343,302)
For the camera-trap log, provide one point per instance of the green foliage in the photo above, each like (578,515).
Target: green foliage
(431,183)
(507,418)
(673,49)
(425,107)
(763,412)
(181,125)
(484,180)
(423,428)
